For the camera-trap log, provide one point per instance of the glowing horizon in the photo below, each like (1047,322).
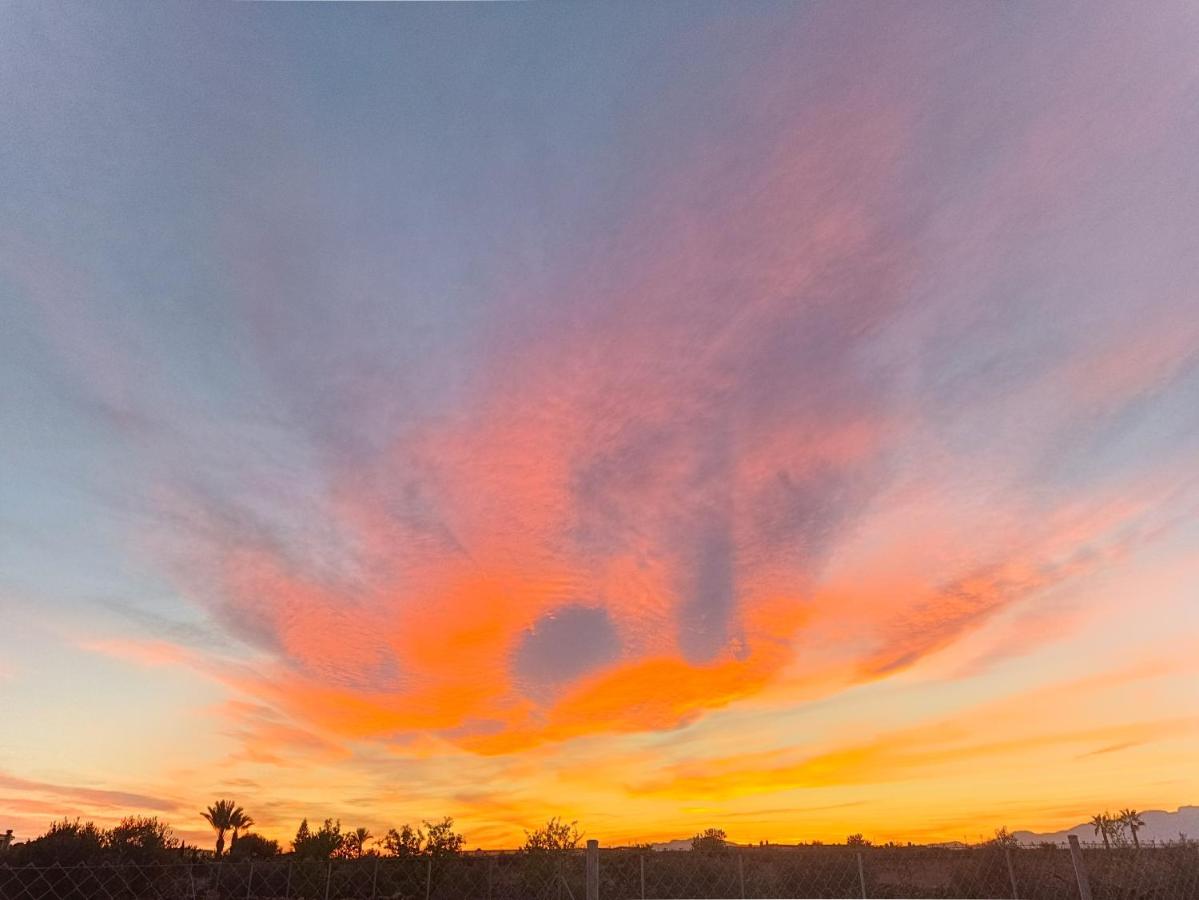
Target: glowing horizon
(778,418)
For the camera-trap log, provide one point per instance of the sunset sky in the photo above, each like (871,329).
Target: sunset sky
(776,417)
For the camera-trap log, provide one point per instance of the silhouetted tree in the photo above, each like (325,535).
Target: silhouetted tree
(253,846)
(554,837)
(1102,823)
(1133,820)
(225,815)
(67,843)
(141,839)
(441,839)
(320,844)
(856,840)
(303,835)
(408,841)
(237,821)
(710,840)
(353,844)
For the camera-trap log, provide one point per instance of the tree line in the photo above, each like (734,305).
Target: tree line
(141,839)
(144,840)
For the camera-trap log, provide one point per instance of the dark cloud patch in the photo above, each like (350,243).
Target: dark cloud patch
(564,644)
(708,595)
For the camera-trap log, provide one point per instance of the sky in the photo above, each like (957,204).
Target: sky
(775,417)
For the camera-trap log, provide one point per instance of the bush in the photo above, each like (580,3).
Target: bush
(441,839)
(253,846)
(555,837)
(408,841)
(320,844)
(141,840)
(67,843)
(710,840)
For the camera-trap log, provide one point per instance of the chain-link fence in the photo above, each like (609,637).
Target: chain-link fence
(465,877)
(995,872)
(1027,873)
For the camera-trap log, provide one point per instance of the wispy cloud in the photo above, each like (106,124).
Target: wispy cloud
(829,355)
(85,797)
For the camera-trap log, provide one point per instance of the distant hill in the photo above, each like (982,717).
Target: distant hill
(680,844)
(1159,826)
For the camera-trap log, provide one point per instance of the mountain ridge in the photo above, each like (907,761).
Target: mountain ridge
(1160,826)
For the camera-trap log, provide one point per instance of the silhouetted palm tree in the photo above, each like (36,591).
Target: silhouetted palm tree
(1133,820)
(357,840)
(237,822)
(1102,823)
(223,816)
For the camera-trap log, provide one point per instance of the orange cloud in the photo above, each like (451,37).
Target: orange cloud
(690,470)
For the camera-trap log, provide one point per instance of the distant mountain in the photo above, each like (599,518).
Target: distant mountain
(679,844)
(1159,826)
(683,844)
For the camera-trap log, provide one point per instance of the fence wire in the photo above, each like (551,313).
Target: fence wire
(903,873)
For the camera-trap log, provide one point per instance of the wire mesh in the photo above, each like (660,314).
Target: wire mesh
(889,873)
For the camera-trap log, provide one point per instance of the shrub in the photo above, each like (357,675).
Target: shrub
(68,843)
(710,840)
(441,839)
(320,844)
(408,841)
(253,846)
(556,836)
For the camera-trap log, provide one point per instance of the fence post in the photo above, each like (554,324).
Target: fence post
(593,869)
(287,890)
(191,878)
(490,874)
(641,858)
(1080,869)
(1011,873)
(328,877)
(374,878)
(741,872)
(861,875)
(250,880)
(429,878)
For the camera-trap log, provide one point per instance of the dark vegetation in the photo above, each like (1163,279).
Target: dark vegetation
(141,859)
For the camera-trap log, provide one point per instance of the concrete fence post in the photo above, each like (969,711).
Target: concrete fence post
(1011,873)
(250,880)
(375,879)
(1080,870)
(429,878)
(593,870)
(287,889)
(641,859)
(741,873)
(328,877)
(861,875)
